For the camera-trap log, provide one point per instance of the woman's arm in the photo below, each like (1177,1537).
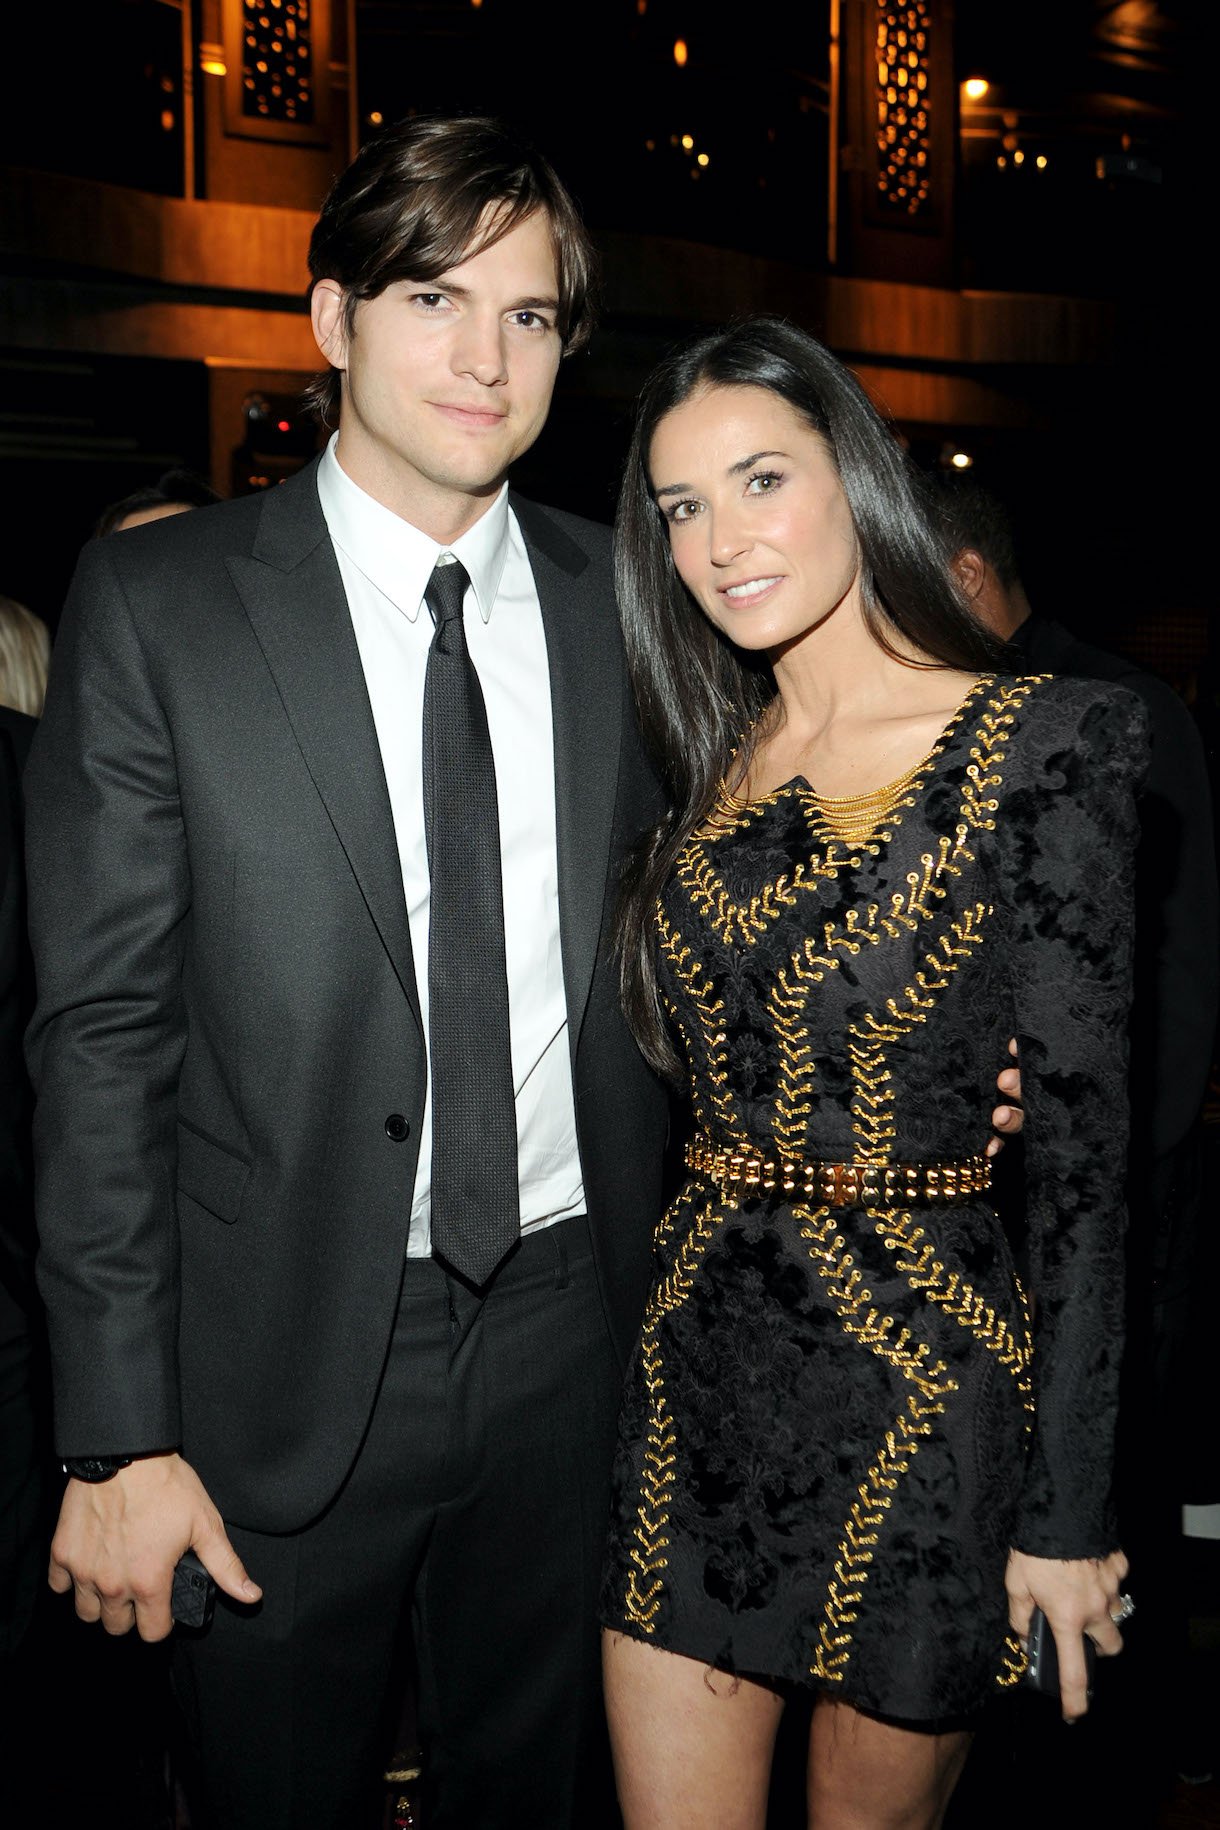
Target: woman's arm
(1066,833)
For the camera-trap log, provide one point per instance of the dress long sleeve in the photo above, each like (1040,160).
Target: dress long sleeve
(1066,835)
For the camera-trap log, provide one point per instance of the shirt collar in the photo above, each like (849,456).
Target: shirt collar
(395,556)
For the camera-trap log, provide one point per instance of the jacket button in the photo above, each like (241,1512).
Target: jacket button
(396,1127)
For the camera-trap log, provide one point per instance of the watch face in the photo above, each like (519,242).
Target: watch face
(95,1467)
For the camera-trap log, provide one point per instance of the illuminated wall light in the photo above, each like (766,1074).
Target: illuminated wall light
(1040,162)
(1001,162)
(680,52)
(376,118)
(214,66)
(976,87)
(961,460)
(167,120)
(703,159)
(1018,158)
(688,141)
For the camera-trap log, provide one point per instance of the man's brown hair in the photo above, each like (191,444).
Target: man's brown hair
(425,195)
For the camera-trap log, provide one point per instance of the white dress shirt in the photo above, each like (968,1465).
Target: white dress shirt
(385,564)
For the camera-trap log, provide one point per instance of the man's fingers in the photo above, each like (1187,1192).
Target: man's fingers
(1009,1081)
(225,1567)
(118,1616)
(58,1578)
(88,1603)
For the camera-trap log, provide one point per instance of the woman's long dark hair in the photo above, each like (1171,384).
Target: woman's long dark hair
(699,697)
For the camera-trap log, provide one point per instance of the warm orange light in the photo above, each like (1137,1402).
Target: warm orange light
(688,141)
(376,118)
(1018,158)
(214,66)
(703,159)
(680,51)
(976,87)
(961,460)
(1040,162)
(167,120)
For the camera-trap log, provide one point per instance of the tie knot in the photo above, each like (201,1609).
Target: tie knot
(445,592)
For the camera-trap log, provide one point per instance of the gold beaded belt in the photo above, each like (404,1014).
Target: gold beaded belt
(733,1167)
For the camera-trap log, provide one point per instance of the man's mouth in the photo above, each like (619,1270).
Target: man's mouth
(470,416)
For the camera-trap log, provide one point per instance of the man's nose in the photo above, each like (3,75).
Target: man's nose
(480,351)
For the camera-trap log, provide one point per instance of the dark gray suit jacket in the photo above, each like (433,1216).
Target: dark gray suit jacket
(227,1009)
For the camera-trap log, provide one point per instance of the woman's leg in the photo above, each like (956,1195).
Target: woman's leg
(870,1775)
(692,1746)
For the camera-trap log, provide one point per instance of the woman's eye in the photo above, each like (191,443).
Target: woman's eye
(763,482)
(681,511)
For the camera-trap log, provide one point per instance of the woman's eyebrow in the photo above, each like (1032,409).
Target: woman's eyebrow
(737,469)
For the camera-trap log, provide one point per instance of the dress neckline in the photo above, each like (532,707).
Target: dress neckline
(878,799)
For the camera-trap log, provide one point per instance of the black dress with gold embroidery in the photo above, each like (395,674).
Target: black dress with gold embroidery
(839,1417)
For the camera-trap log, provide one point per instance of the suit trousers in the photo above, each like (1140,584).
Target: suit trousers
(473,1520)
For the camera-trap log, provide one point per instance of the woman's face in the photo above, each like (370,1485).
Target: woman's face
(758,523)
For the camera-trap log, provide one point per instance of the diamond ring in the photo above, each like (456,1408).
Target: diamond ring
(1123,1610)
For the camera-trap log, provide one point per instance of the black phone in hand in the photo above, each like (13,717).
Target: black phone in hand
(1042,1671)
(193,1595)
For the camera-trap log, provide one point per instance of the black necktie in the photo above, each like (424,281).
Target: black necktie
(475,1207)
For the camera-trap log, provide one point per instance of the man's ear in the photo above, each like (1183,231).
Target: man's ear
(970,570)
(326,316)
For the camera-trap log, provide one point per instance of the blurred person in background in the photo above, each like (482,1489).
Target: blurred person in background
(173,493)
(25,655)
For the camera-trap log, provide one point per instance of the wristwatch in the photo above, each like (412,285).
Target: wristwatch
(94,1468)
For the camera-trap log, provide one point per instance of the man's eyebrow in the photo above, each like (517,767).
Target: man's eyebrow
(734,470)
(452,290)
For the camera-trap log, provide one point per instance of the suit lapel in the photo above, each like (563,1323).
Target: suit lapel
(293,595)
(586,712)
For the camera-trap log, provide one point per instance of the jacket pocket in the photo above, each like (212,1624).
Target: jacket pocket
(210,1174)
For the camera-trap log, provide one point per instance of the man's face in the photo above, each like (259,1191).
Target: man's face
(446,381)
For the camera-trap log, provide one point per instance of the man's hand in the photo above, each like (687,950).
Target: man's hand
(1007,1118)
(118,1540)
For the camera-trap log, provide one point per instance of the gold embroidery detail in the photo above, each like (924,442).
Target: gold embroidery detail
(987,752)
(861,1530)
(1014,1661)
(731,920)
(863,1322)
(645,1580)
(915,1258)
(699,989)
(873,1099)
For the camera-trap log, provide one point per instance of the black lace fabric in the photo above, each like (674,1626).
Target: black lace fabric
(839,1419)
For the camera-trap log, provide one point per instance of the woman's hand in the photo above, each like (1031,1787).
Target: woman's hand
(1077,1596)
